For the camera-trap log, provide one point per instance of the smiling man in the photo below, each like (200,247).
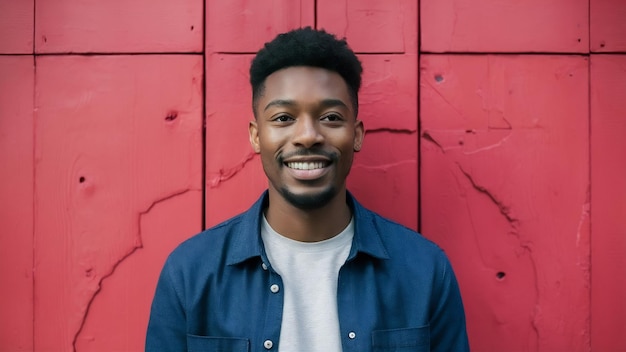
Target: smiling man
(307,268)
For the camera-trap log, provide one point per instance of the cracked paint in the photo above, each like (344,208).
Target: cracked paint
(108,272)
(97,177)
(214,180)
(506,166)
(505,210)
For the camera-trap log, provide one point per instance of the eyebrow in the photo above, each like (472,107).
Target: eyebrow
(326,103)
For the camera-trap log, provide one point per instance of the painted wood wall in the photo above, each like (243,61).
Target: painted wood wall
(495,128)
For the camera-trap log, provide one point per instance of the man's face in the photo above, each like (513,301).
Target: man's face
(306,133)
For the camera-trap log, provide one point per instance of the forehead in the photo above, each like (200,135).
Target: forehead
(304,83)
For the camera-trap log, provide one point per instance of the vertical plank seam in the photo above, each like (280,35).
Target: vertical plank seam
(589,174)
(203,214)
(419,118)
(33,175)
(314,14)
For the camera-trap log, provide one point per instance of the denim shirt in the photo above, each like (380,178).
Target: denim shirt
(396,291)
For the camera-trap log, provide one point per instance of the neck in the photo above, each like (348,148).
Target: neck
(311,225)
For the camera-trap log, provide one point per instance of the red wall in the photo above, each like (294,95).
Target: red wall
(495,128)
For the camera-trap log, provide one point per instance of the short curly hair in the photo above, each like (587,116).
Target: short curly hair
(306,47)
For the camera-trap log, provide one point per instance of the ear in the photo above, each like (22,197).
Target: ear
(253,130)
(359,134)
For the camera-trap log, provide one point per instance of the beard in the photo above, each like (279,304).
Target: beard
(309,201)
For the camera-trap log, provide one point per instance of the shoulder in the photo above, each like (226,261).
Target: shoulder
(206,250)
(403,244)
(391,231)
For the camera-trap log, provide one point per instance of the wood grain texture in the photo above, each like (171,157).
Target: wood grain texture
(16,26)
(372,26)
(505,191)
(17,76)
(241,26)
(118,26)
(608,25)
(116,136)
(608,202)
(505,26)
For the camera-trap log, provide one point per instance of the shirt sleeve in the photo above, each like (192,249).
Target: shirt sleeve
(167,324)
(447,323)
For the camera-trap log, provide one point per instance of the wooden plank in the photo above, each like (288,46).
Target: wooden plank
(17,74)
(608,25)
(241,26)
(505,26)
(16,26)
(505,191)
(234,176)
(608,202)
(372,26)
(389,156)
(117,137)
(118,26)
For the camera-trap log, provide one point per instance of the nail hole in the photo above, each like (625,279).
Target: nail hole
(81,179)
(500,275)
(45,39)
(438,78)
(602,44)
(579,40)
(171,116)
(192,27)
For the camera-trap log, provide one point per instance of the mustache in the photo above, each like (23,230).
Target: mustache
(308,152)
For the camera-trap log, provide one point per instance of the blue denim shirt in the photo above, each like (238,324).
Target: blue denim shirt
(218,292)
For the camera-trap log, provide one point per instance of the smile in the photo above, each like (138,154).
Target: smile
(307,165)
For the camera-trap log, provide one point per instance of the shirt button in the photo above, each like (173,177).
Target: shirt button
(268,344)
(351,335)
(274,288)
(264,266)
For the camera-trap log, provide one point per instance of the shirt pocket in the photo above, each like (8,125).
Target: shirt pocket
(197,343)
(401,340)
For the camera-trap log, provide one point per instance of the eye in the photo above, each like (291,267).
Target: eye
(282,118)
(332,118)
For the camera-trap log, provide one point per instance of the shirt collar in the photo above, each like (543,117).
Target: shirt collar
(247,243)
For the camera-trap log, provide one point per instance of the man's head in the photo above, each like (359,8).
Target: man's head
(305,85)
(306,47)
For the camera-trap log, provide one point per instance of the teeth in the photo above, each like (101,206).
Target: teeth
(306,166)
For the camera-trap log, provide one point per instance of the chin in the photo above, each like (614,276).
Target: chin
(310,200)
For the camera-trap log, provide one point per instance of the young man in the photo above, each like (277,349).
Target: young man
(307,268)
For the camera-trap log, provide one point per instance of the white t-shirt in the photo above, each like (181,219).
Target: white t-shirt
(309,271)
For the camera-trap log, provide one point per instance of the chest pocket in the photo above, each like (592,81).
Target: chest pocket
(401,340)
(216,344)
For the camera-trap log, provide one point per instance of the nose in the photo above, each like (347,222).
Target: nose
(307,133)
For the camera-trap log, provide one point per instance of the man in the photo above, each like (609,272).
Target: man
(307,268)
